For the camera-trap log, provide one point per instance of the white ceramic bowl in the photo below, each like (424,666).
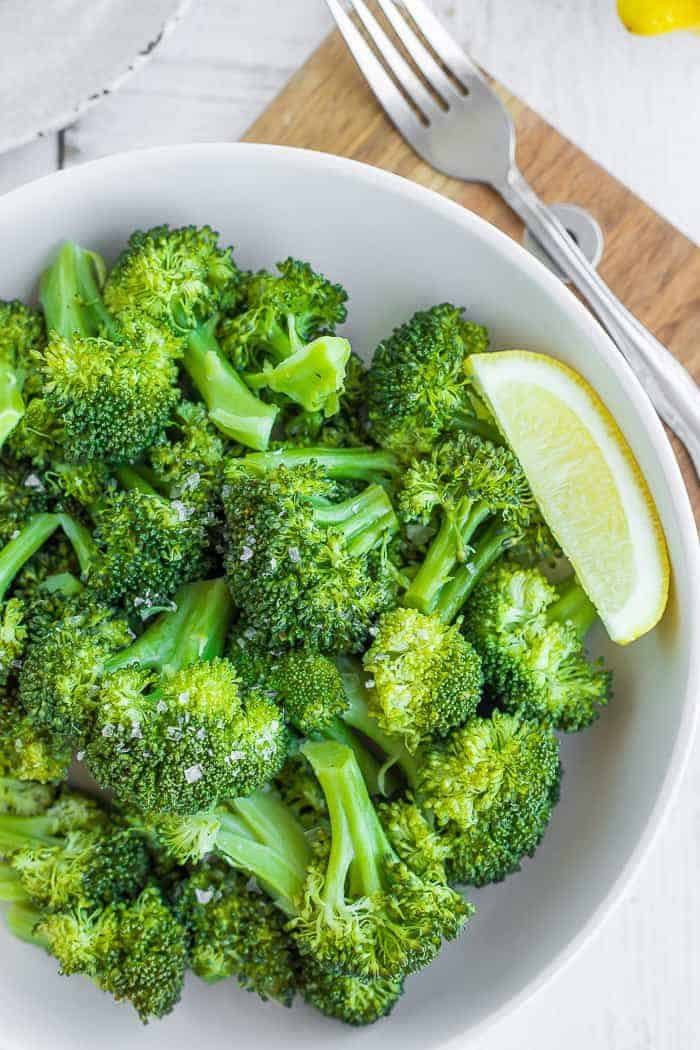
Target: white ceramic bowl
(396,247)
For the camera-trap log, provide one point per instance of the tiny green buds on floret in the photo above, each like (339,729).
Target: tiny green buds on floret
(530,636)
(236,931)
(426,677)
(180,279)
(24,798)
(303,569)
(112,386)
(348,999)
(135,950)
(490,788)
(418,387)
(364,913)
(21,335)
(179,744)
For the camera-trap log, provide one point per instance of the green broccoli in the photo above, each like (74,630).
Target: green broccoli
(180,280)
(345,428)
(112,386)
(490,788)
(425,676)
(348,999)
(340,464)
(303,569)
(417,386)
(21,337)
(134,950)
(282,339)
(93,861)
(24,798)
(28,751)
(173,727)
(530,636)
(472,485)
(364,912)
(236,931)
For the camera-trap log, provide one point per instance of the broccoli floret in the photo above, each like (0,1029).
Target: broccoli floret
(181,280)
(112,387)
(77,866)
(363,912)
(22,494)
(146,546)
(302,568)
(135,950)
(236,931)
(418,388)
(58,681)
(348,999)
(188,466)
(530,639)
(28,752)
(21,337)
(179,744)
(490,787)
(472,485)
(426,678)
(421,846)
(282,339)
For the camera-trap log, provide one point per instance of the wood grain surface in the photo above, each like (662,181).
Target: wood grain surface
(652,267)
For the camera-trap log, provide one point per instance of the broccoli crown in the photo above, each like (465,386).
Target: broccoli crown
(422,847)
(533,665)
(65,814)
(113,399)
(178,278)
(148,546)
(305,570)
(425,679)
(180,743)
(363,912)
(417,386)
(28,752)
(280,312)
(59,677)
(348,999)
(135,950)
(236,931)
(188,465)
(22,494)
(466,468)
(24,798)
(13,636)
(84,868)
(491,787)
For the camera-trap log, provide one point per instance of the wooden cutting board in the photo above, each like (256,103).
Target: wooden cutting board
(647,262)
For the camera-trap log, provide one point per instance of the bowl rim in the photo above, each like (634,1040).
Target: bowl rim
(602,346)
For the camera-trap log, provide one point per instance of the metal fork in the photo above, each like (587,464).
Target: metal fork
(463,129)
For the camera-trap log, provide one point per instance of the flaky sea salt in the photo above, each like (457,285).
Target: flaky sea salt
(193,774)
(204,896)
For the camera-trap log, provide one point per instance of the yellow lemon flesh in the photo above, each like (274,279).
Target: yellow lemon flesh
(586,482)
(649,17)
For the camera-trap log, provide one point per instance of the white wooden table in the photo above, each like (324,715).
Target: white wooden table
(635,106)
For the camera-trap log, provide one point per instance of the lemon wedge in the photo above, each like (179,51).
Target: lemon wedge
(586,482)
(649,17)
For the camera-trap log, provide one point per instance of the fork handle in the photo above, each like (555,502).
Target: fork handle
(672,389)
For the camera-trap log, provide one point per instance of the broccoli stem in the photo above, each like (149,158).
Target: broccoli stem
(70,294)
(491,544)
(11,401)
(379,781)
(195,630)
(232,407)
(133,481)
(11,888)
(358,842)
(17,832)
(19,550)
(22,920)
(261,837)
(445,552)
(350,464)
(80,540)
(360,520)
(357,717)
(64,583)
(573,606)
